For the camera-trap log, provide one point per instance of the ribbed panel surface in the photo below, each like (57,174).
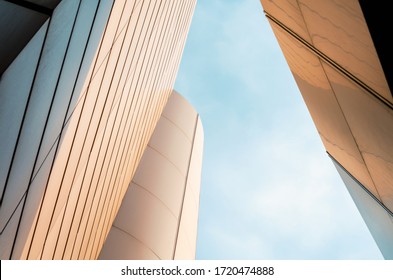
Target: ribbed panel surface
(77,108)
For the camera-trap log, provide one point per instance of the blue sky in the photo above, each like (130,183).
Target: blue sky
(269,190)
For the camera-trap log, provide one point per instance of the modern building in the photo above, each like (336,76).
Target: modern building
(339,53)
(84,84)
(167,182)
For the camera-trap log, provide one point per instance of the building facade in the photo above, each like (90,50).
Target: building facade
(339,56)
(167,182)
(83,85)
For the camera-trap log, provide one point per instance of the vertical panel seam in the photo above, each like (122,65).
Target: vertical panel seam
(185,188)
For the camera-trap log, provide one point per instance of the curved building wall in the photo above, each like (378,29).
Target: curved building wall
(332,56)
(159,214)
(77,108)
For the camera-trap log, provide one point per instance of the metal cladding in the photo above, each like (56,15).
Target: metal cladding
(167,182)
(80,96)
(344,83)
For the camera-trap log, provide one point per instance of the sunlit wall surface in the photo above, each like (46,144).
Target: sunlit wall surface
(78,104)
(159,214)
(331,53)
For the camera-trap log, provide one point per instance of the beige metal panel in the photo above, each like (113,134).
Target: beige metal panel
(96,157)
(18,25)
(148,75)
(167,184)
(59,187)
(371,123)
(194,175)
(187,237)
(136,107)
(148,220)
(89,63)
(87,183)
(185,249)
(355,124)
(182,114)
(287,12)
(67,219)
(94,122)
(345,38)
(172,144)
(163,85)
(94,107)
(170,75)
(162,199)
(56,177)
(175,29)
(324,109)
(51,238)
(141,56)
(106,173)
(114,179)
(125,247)
(188,227)
(71,219)
(87,127)
(159,42)
(108,37)
(70,73)
(64,91)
